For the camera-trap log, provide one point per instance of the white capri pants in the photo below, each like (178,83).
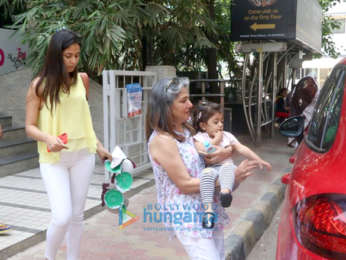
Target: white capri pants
(67,184)
(204,248)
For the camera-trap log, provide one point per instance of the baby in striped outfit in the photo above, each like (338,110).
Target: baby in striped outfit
(208,122)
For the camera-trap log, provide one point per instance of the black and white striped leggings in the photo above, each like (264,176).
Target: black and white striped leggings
(225,173)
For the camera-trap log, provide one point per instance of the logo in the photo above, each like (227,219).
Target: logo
(175,216)
(126,217)
(2,57)
(17,60)
(168,217)
(262,3)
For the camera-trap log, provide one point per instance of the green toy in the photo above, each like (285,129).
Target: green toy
(109,168)
(118,180)
(124,181)
(114,199)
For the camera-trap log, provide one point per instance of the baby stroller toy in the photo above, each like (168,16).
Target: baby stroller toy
(118,180)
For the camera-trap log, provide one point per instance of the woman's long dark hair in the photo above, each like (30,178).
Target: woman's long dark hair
(53,73)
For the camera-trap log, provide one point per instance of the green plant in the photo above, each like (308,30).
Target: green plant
(118,34)
(109,30)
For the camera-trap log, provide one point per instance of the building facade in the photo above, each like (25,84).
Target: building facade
(320,68)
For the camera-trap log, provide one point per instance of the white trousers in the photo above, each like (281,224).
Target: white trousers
(67,184)
(204,248)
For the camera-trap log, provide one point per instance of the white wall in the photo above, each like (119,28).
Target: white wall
(339,12)
(338,8)
(12,52)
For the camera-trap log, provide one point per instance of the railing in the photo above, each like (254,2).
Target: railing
(119,128)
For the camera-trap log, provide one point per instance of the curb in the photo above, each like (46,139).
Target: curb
(254,222)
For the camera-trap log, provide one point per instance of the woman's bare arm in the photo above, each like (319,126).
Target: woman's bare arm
(248,153)
(33,103)
(164,151)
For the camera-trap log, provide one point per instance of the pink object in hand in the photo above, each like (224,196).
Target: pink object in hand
(63,138)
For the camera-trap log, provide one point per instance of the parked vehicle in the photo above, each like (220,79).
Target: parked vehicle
(313,216)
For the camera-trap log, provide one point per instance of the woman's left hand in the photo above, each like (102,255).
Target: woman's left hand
(103,153)
(263,163)
(218,156)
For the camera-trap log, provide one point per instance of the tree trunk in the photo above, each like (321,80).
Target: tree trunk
(211,55)
(211,63)
(147,57)
(147,43)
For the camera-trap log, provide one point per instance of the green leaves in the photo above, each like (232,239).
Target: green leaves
(103,26)
(113,31)
(328,24)
(118,34)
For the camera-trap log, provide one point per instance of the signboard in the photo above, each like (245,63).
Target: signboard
(13,53)
(277,20)
(253,19)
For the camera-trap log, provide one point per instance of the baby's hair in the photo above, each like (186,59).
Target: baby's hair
(203,111)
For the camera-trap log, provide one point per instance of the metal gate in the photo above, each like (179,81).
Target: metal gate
(119,129)
(259,91)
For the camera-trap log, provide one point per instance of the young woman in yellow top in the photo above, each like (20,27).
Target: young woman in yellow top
(56,103)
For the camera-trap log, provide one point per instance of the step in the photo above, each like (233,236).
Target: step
(5,121)
(14,133)
(17,146)
(16,163)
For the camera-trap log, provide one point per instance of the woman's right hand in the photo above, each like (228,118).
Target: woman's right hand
(55,144)
(218,156)
(244,170)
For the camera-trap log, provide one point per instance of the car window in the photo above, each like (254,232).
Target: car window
(325,121)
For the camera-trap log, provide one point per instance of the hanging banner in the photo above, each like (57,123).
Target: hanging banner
(134,99)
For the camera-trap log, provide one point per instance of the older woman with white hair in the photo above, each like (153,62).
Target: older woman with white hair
(177,167)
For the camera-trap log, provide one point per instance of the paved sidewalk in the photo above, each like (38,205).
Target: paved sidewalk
(24,204)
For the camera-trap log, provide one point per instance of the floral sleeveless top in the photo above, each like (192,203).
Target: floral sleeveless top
(183,212)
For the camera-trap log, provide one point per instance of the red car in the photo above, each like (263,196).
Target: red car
(313,216)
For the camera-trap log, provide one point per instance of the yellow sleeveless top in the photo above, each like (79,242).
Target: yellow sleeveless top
(72,116)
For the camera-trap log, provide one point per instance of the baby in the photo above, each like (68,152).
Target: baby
(208,122)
